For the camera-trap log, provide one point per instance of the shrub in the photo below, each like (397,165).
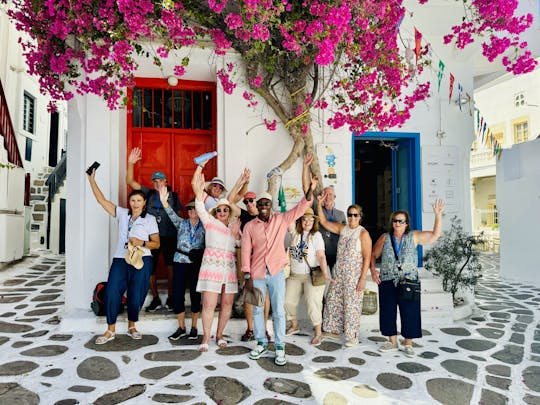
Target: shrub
(455,259)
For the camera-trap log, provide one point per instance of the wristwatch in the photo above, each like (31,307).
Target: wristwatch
(247,276)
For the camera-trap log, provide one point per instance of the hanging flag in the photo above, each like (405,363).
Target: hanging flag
(418,43)
(481,122)
(451,88)
(483,131)
(459,94)
(281,199)
(440,75)
(477,119)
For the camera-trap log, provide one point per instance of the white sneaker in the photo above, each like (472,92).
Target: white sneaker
(407,350)
(388,347)
(258,352)
(280,359)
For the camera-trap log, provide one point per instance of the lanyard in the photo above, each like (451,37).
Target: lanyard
(130,225)
(192,230)
(397,246)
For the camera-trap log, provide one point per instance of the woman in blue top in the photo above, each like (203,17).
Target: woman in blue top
(185,271)
(399,261)
(140,229)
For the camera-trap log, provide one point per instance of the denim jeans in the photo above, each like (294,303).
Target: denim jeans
(276,289)
(122,277)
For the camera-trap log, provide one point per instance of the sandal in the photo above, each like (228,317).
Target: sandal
(134,333)
(106,337)
(222,343)
(317,340)
(293,330)
(203,347)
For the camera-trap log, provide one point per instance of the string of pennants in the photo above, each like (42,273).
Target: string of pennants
(485,137)
(482,131)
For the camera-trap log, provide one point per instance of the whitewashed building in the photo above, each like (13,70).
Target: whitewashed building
(32,141)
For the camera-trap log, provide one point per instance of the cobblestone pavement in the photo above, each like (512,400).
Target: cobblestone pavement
(493,357)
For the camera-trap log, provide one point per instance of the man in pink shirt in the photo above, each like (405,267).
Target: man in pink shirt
(263,260)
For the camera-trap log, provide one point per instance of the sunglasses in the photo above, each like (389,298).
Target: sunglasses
(264,203)
(350,214)
(218,210)
(249,200)
(190,208)
(399,221)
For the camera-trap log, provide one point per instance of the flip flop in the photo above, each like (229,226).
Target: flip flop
(134,333)
(292,331)
(317,340)
(106,337)
(203,347)
(222,343)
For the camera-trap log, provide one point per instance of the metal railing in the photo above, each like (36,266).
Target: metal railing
(54,182)
(7,131)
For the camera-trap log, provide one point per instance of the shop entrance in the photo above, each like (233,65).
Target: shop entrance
(387,178)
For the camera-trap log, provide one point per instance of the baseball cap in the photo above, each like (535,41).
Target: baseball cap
(250,194)
(159,176)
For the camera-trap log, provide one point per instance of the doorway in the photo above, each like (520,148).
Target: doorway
(386,178)
(171,126)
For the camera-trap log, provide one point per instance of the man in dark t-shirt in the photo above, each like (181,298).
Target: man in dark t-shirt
(167,231)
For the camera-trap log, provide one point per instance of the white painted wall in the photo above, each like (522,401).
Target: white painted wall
(92,235)
(518,201)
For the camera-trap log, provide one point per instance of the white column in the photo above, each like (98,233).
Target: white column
(90,233)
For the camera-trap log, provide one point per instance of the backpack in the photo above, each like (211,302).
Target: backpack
(99,299)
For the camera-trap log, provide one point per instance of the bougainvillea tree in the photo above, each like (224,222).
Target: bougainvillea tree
(340,55)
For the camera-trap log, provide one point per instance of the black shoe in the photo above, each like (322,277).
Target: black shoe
(248,336)
(154,305)
(169,304)
(180,332)
(193,334)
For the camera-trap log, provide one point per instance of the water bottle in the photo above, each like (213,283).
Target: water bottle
(199,160)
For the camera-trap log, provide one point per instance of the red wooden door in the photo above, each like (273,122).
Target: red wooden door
(171,126)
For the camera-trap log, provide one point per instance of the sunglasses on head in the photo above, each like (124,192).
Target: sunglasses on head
(248,200)
(399,221)
(222,209)
(264,203)
(352,214)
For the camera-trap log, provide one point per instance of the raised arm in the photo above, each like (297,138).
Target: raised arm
(308,159)
(428,237)
(334,227)
(240,187)
(134,157)
(175,219)
(108,206)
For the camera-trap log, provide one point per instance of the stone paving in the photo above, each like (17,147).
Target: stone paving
(493,357)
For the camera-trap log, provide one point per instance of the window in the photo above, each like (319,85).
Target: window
(28,150)
(521,131)
(29,112)
(519,100)
(179,109)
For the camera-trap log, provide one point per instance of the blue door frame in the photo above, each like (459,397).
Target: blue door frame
(414,184)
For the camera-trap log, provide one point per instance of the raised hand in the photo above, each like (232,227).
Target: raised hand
(246,174)
(135,155)
(438,206)
(197,184)
(321,197)
(163,195)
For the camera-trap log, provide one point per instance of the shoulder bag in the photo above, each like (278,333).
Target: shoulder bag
(316,274)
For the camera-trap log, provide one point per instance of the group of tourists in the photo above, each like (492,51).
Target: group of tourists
(221,248)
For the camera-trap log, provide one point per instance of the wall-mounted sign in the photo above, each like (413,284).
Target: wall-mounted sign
(328,155)
(440,177)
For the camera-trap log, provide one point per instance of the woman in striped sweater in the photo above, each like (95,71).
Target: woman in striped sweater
(218,268)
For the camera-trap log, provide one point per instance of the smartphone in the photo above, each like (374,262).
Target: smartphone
(94,166)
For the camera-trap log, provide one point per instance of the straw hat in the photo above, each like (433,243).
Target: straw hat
(134,256)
